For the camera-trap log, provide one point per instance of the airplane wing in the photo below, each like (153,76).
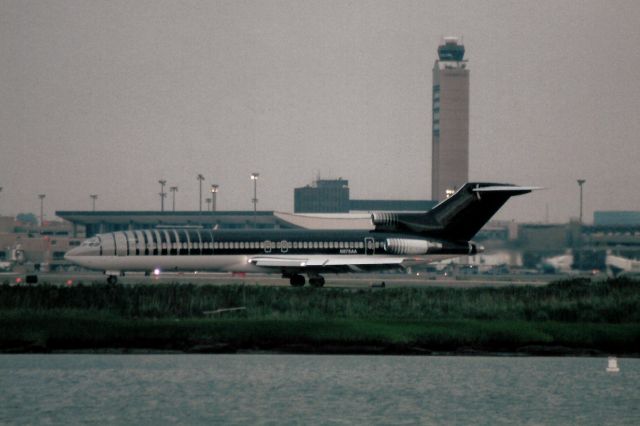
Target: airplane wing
(327,262)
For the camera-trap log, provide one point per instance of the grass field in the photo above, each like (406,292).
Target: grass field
(577,316)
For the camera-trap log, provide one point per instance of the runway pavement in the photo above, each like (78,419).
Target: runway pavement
(342,280)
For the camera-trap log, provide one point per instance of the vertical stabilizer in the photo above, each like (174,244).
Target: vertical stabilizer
(457,218)
(463,214)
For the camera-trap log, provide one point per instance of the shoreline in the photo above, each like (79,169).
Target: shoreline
(542,351)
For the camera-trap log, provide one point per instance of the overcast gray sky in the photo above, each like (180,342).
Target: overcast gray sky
(107,97)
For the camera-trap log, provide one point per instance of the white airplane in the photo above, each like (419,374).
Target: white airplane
(619,264)
(398,240)
(5,266)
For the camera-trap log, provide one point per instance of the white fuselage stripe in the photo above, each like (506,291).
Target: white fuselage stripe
(235,262)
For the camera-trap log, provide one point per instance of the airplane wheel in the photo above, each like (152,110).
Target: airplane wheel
(296,280)
(316,281)
(112,279)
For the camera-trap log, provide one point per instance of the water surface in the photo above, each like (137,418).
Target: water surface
(307,389)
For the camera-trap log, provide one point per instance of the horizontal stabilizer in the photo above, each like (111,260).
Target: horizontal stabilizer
(513,190)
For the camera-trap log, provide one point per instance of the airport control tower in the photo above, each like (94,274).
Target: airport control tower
(450,128)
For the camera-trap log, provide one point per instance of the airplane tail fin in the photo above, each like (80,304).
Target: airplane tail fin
(459,217)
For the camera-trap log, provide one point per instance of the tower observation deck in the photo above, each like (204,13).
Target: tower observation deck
(451,50)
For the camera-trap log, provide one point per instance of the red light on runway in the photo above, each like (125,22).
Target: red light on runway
(69,283)
(18,280)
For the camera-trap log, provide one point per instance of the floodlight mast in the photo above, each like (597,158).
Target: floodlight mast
(42,196)
(580,183)
(200,178)
(214,193)
(254,178)
(163,194)
(173,190)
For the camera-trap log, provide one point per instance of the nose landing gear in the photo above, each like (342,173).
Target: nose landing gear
(112,276)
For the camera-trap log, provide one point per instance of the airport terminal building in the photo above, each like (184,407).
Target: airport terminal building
(91,223)
(333,196)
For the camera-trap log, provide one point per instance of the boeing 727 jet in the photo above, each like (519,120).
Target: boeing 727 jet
(398,240)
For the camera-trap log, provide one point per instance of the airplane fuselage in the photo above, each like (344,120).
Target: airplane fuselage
(285,251)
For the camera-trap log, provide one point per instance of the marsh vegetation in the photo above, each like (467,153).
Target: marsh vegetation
(563,317)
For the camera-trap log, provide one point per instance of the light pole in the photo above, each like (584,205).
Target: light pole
(0,189)
(200,179)
(94,197)
(580,183)
(173,190)
(162,183)
(254,178)
(208,200)
(41,196)
(214,193)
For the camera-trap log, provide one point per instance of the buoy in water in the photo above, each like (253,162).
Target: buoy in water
(612,365)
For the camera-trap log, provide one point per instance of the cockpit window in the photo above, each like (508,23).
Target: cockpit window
(91,242)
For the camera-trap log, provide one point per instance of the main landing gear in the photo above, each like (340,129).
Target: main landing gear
(112,279)
(316,280)
(297,280)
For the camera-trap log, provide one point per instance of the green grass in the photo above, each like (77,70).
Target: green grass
(602,316)
(612,301)
(88,329)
